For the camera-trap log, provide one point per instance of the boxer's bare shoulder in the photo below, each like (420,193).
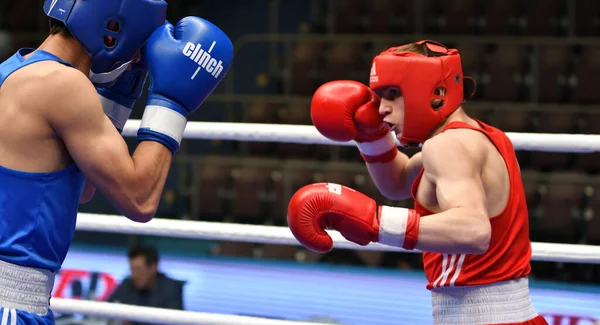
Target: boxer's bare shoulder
(48,86)
(456,145)
(71,98)
(28,98)
(66,88)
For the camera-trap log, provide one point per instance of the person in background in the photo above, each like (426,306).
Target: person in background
(146,286)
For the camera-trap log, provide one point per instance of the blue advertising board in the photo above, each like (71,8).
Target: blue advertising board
(333,294)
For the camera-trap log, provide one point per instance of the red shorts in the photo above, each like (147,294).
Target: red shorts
(539,320)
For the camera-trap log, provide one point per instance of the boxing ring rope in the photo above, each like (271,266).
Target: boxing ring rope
(158,315)
(308,134)
(303,134)
(283,236)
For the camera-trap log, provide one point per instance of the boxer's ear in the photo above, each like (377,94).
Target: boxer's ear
(469,87)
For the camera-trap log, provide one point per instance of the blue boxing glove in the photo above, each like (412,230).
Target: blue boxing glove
(186,64)
(119,98)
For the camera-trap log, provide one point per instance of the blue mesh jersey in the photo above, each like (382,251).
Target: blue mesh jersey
(38,211)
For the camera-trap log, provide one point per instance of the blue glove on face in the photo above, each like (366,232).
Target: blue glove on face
(186,63)
(119,98)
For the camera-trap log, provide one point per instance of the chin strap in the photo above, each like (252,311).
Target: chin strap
(108,77)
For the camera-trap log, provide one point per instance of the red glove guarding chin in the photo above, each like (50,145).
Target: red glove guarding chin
(318,206)
(345,110)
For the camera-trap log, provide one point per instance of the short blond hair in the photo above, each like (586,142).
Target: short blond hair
(412,47)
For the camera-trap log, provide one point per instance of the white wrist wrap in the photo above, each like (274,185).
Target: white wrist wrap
(392,225)
(117,113)
(378,147)
(164,120)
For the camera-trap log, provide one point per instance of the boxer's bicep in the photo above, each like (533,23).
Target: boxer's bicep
(91,139)
(462,226)
(455,173)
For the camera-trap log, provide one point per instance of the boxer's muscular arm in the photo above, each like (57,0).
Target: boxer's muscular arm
(454,167)
(133,183)
(394,179)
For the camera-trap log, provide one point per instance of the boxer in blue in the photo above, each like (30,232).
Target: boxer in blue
(62,106)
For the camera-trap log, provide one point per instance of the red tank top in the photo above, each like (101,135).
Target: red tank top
(509,251)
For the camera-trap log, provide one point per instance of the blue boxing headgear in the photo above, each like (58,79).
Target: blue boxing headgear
(92,21)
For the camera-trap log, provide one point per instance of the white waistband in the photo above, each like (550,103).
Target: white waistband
(24,288)
(497,303)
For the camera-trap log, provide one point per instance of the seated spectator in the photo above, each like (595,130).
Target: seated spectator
(146,286)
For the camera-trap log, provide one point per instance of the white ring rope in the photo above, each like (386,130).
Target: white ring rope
(283,236)
(308,134)
(158,315)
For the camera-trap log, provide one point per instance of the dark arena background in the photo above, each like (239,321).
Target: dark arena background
(537,67)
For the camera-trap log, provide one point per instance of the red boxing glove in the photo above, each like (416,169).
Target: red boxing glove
(316,207)
(345,110)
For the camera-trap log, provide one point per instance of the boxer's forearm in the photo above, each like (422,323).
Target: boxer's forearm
(151,163)
(132,184)
(394,178)
(386,177)
(455,231)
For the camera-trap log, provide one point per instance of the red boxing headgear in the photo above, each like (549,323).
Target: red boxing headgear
(421,80)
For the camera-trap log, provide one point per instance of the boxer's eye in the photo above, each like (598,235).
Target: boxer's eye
(389,93)
(393,93)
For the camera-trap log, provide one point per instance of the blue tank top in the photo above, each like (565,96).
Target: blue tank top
(37,210)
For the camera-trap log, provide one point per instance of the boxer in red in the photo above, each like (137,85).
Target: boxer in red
(470,217)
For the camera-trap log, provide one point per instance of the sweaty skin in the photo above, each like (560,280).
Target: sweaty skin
(52,117)
(465,182)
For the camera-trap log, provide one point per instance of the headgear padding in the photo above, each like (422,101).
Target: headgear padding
(431,84)
(88,21)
